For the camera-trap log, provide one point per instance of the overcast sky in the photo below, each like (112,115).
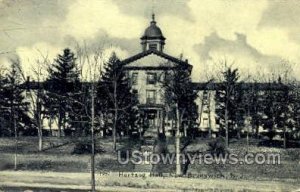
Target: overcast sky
(256,35)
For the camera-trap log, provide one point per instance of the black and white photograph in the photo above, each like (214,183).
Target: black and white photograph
(150,95)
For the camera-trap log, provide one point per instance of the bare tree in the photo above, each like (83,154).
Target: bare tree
(93,62)
(35,96)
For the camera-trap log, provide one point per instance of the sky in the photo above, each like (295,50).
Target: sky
(260,37)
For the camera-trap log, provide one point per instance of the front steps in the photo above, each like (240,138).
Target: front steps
(147,149)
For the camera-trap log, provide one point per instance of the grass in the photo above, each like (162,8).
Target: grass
(55,158)
(289,167)
(58,157)
(66,170)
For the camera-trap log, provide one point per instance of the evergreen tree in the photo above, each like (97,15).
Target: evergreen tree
(14,108)
(227,100)
(269,109)
(180,91)
(296,110)
(274,107)
(63,89)
(114,97)
(295,98)
(180,95)
(285,110)
(4,112)
(253,104)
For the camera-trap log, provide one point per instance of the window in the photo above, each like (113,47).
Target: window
(153,46)
(134,91)
(134,78)
(151,78)
(151,96)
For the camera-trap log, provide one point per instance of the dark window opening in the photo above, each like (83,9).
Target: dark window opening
(134,91)
(151,78)
(151,96)
(134,78)
(153,46)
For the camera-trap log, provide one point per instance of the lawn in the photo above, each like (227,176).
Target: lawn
(289,167)
(58,157)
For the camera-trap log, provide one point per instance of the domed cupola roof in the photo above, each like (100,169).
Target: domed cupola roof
(153,31)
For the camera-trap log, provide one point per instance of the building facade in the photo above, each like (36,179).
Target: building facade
(146,70)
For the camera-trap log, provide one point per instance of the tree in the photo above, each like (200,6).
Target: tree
(14,100)
(285,110)
(85,110)
(295,94)
(252,103)
(114,96)
(4,124)
(63,85)
(14,105)
(273,109)
(35,95)
(180,95)
(270,113)
(227,100)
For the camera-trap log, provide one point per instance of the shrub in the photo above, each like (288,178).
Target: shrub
(161,146)
(31,131)
(84,148)
(217,147)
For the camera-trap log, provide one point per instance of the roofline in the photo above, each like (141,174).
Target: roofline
(32,85)
(159,53)
(149,68)
(144,37)
(243,86)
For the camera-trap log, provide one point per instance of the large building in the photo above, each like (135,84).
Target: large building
(146,71)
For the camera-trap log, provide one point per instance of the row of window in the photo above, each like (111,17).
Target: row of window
(150,96)
(151,78)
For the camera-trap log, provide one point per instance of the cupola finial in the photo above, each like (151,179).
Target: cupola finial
(153,22)
(153,14)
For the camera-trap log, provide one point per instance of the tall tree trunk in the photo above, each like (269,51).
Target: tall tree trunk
(163,122)
(248,126)
(185,130)
(16,137)
(93,185)
(226,127)
(39,121)
(50,125)
(209,117)
(256,131)
(40,135)
(238,134)
(64,125)
(115,117)
(284,138)
(59,125)
(177,142)
(115,130)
